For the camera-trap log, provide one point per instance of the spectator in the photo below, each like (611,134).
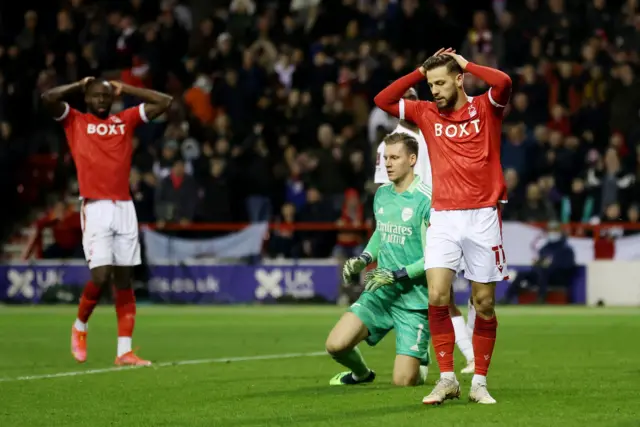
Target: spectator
(176,196)
(215,203)
(282,242)
(257,176)
(315,243)
(613,182)
(514,195)
(349,243)
(559,120)
(514,150)
(64,223)
(555,266)
(142,191)
(633,217)
(535,208)
(625,98)
(198,99)
(578,205)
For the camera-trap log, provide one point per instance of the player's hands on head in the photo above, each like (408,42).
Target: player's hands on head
(440,51)
(378,278)
(85,82)
(459,59)
(117,87)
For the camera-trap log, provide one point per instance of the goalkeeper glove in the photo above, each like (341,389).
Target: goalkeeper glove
(353,266)
(383,277)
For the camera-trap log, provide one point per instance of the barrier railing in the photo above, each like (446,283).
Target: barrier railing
(572,229)
(595,231)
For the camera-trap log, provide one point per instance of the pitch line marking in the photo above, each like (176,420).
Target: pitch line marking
(164,365)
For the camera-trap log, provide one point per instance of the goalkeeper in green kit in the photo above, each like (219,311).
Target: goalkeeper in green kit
(395,295)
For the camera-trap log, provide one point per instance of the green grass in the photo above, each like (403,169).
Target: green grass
(552,367)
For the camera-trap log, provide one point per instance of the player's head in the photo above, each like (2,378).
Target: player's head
(99,95)
(444,76)
(400,155)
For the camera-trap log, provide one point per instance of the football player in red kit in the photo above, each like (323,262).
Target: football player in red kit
(463,135)
(101,146)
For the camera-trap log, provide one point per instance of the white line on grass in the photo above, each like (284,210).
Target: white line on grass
(165,364)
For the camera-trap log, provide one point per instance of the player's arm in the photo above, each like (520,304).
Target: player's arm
(373,247)
(53,99)
(390,98)
(155,103)
(499,82)
(384,277)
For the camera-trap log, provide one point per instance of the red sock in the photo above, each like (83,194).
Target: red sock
(125,311)
(484,339)
(443,336)
(88,301)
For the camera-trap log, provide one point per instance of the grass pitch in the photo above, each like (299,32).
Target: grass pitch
(552,367)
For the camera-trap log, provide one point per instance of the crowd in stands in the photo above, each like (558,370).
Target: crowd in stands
(274,118)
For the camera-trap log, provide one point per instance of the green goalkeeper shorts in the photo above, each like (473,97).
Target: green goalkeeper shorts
(380,316)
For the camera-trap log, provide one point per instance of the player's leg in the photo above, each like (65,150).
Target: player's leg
(412,346)
(342,344)
(442,258)
(471,311)
(484,339)
(486,264)
(366,320)
(126,252)
(471,316)
(97,242)
(463,338)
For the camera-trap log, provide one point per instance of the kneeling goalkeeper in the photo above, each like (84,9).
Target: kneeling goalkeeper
(395,295)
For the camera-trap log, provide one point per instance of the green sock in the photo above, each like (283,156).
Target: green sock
(353,360)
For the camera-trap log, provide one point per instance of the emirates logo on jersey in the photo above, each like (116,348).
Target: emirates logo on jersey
(106,130)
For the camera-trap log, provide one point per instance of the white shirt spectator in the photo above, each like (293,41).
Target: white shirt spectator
(378,118)
(422,167)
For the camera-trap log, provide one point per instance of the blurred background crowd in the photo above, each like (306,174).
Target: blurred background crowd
(274,119)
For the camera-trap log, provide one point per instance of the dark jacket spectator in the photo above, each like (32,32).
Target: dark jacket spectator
(176,196)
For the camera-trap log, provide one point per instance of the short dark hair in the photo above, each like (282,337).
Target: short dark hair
(410,143)
(96,81)
(442,61)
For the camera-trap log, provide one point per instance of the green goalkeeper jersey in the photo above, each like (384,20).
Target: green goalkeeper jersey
(398,241)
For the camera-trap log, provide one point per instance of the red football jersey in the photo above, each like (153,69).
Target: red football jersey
(102,150)
(464,146)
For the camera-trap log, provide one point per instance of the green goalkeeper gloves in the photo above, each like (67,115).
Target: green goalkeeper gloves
(353,267)
(383,277)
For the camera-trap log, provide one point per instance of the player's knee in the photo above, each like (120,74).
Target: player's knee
(438,296)
(336,346)
(484,304)
(405,379)
(101,276)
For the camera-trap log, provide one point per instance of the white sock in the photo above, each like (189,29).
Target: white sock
(81,326)
(422,376)
(471,318)
(448,375)
(479,380)
(124,345)
(463,340)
